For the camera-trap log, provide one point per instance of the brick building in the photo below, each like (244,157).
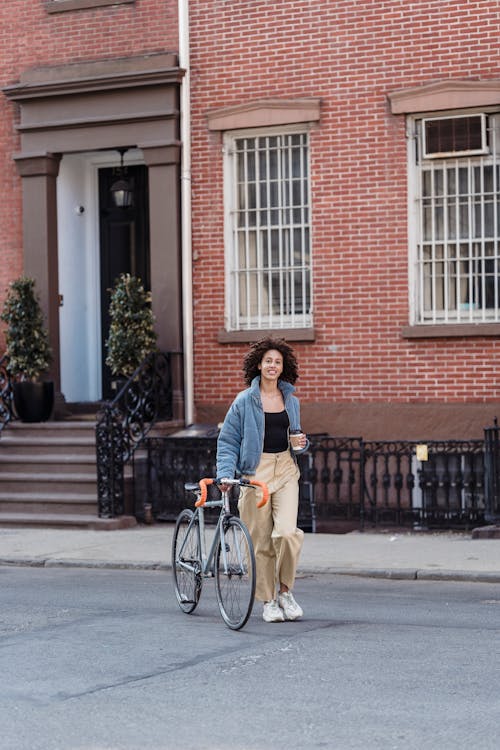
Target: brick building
(345,193)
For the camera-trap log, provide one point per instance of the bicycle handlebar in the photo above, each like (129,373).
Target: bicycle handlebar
(245,483)
(203,487)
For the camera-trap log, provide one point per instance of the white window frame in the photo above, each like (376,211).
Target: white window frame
(259,274)
(457,270)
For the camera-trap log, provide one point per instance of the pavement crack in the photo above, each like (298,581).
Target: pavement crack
(135,679)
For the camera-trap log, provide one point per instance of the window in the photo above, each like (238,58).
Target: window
(457,219)
(268,278)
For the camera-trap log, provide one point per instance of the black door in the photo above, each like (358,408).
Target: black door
(124,245)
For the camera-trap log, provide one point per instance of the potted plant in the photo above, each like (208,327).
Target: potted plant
(131,334)
(28,351)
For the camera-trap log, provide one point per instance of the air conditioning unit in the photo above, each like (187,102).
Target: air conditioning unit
(454,136)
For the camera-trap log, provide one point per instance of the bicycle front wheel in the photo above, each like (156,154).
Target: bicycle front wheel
(186,561)
(235,573)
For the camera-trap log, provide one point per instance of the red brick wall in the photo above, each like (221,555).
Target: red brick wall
(31,37)
(351,55)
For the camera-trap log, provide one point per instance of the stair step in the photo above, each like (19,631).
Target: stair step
(44,438)
(48,497)
(62,482)
(30,463)
(54,520)
(53,507)
(63,426)
(48,502)
(28,446)
(51,429)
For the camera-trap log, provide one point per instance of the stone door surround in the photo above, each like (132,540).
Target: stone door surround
(102,105)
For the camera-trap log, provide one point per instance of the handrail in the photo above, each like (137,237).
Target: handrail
(124,422)
(6,394)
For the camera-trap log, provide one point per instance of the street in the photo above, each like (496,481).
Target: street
(104,660)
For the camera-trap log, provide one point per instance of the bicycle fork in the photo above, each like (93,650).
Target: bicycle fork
(225,547)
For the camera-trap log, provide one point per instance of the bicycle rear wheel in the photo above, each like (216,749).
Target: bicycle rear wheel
(186,561)
(235,573)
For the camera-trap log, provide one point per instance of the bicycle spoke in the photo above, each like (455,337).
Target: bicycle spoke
(235,574)
(186,562)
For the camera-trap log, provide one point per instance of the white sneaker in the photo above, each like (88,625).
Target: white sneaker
(290,608)
(272,612)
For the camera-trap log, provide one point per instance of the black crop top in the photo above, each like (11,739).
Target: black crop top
(276,432)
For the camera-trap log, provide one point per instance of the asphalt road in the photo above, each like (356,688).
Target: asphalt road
(104,660)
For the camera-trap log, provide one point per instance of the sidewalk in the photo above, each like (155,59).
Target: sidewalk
(445,556)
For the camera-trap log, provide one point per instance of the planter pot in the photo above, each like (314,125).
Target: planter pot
(34,401)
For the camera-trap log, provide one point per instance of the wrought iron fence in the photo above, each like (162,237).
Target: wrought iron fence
(6,394)
(171,461)
(122,425)
(441,488)
(346,483)
(333,475)
(492,472)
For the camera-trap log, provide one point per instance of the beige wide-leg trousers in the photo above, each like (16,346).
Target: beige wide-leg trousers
(276,539)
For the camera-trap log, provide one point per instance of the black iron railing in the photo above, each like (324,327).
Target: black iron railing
(439,486)
(332,472)
(171,461)
(122,425)
(492,472)
(346,483)
(6,394)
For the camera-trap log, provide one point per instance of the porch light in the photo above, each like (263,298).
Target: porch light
(122,190)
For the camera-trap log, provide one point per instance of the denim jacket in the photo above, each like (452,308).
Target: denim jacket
(241,439)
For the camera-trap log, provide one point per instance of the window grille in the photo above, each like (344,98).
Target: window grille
(268,231)
(457,234)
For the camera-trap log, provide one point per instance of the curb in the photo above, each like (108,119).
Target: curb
(400,574)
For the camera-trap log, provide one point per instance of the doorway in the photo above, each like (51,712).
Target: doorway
(124,245)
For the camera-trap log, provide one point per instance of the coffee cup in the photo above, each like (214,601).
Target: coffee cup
(295,439)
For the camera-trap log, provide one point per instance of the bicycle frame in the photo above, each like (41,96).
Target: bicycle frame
(207,560)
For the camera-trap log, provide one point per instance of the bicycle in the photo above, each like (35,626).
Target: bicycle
(230,559)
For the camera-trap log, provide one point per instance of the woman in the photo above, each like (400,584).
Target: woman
(254,441)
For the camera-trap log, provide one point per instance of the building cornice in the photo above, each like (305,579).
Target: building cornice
(95,76)
(444,95)
(264,113)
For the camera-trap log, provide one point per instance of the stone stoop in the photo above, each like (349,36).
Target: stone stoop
(48,476)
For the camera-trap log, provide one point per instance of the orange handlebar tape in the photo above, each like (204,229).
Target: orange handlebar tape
(203,487)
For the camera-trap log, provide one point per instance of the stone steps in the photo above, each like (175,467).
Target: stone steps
(48,475)
(38,463)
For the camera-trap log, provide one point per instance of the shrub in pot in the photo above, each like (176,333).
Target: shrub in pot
(131,334)
(28,351)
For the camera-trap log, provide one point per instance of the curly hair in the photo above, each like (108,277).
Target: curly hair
(256,354)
